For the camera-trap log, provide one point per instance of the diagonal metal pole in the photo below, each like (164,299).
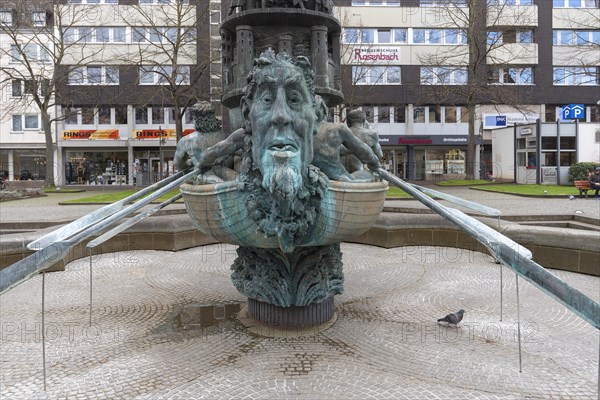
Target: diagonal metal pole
(511,254)
(501,283)
(91,283)
(24,269)
(519,325)
(95,216)
(44,327)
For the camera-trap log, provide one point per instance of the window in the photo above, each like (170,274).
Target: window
(71,116)
(158,115)
(383,114)
(21,122)
(443,3)
(439,36)
(375,36)
(6,18)
(93,1)
(94,75)
(511,75)
(87,115)
(32,51)
(595,114)
(400,114)
(17,88)
(575,3)
(510,36)
(96,35)
(454,115)
(161,74)
(103,115)
(576,76)
(376,3)
(510,2)
(443,75)
(376,75)
(141,116)
(121,115)
(38,18)
(164,1)
(575,38)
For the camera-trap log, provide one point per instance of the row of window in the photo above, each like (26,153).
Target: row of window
(464,3)
(575,38)
(20,87)
(402,36)
(448,75)
(510,36)
(117,1)
(109,75)
(122,34)
(38,18)
(106,115)
(383,114)
(457,36)
(32,52)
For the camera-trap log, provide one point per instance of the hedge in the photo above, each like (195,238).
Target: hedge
(580,171)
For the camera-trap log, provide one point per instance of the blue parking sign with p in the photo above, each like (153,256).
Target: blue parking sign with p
(573,111)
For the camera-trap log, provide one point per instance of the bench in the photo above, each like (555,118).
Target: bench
(583,187)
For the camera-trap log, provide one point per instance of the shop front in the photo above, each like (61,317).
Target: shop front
(426,157)
(94,157)
(23,163)
(153,153)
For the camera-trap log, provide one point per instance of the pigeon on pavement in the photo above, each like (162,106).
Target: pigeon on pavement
(453,318)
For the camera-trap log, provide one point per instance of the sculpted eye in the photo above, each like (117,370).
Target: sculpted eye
(295,99)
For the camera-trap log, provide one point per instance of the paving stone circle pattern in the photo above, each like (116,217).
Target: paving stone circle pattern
(385,344)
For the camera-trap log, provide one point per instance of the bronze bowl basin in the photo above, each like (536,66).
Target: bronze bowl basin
(347,210)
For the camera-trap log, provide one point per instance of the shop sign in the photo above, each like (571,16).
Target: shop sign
(363,54)
(437,140)
(90,134)
(156,133)
(573,111)
(493,121)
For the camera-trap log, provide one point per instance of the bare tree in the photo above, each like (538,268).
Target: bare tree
(37,43)
(483,62)
(169,39)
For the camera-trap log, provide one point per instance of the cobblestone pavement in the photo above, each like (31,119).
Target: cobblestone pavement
(384,345)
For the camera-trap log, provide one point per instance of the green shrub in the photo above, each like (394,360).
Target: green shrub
(580,171)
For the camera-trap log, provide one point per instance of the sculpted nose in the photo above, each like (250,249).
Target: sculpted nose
(281,115)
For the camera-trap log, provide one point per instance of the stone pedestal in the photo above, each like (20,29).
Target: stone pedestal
(293,317)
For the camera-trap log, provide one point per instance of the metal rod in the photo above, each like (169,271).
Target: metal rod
(91,283)
(44,327)
(457,200)
(519,325)
(478,230)
(95,216)
(501,281)
(130,222)
(24,269)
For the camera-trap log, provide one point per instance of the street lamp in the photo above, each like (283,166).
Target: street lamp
(161,141)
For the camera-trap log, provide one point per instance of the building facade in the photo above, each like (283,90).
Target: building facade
(413,65)
(124,73)
(121,73)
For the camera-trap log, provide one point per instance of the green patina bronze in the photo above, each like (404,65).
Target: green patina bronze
(282,208)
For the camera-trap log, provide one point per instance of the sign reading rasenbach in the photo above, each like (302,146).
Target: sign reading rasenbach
(364,54)
(90,134)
